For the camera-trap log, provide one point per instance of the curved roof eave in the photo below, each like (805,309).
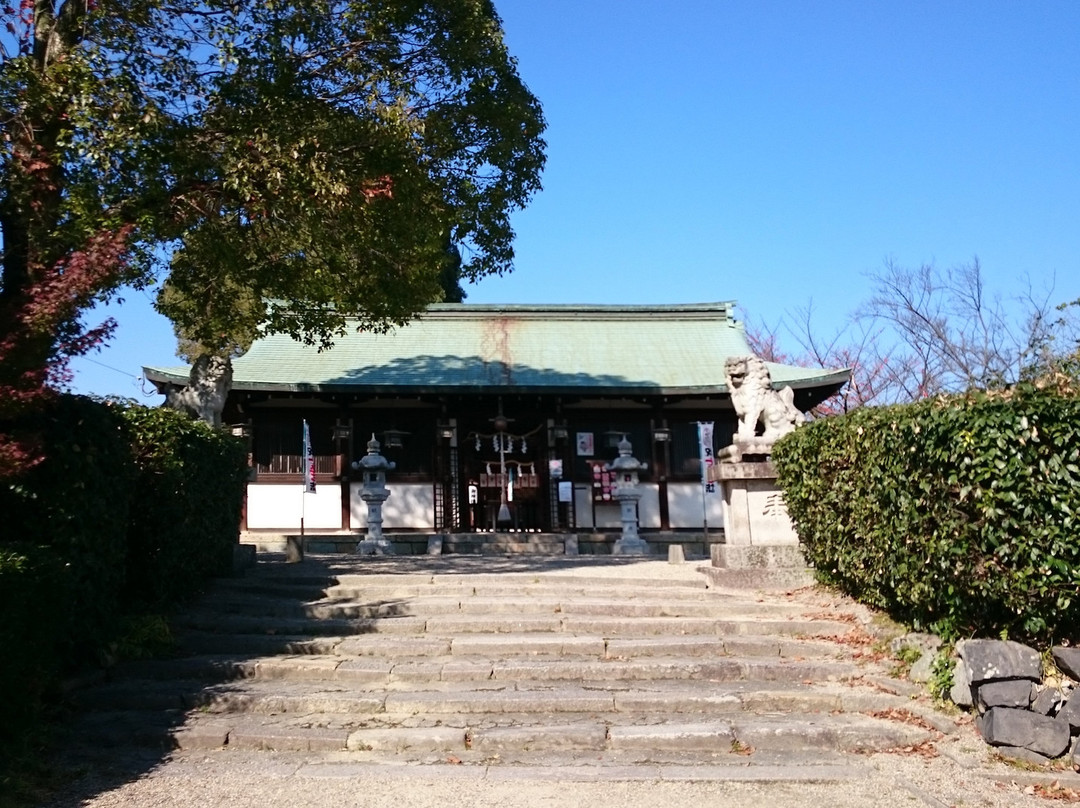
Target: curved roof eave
(179,376)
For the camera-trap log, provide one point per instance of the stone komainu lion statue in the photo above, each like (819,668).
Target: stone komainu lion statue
(204,397)
(756,402)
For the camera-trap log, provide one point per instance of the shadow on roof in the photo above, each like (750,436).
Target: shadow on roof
(474,371)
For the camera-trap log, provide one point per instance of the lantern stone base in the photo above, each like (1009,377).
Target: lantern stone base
(375,547)
(631,546)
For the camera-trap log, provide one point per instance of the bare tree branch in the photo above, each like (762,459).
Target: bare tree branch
(926,331)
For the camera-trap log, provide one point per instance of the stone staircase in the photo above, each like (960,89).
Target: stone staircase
(523,660)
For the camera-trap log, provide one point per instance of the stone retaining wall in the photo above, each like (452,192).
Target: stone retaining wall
(1018,710)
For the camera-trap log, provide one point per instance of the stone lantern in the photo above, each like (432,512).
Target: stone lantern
(373,467)
(625,468)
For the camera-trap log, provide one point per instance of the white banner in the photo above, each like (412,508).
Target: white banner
(705,443)
(308,463)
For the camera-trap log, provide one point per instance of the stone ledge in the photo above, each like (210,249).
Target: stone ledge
(791,578)
(758,556)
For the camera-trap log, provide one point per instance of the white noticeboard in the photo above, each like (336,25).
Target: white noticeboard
(566,492)
(585,444)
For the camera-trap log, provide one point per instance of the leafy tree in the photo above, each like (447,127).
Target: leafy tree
(282,165)
(450,276)
(46,323)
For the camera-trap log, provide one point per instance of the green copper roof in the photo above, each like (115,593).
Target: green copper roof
(518,348)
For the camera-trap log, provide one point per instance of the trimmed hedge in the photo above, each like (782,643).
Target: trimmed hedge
(957,514)
(76,503)
(131,511)
(34,617)
(188,497)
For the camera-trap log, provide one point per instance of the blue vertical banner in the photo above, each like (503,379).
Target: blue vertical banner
(705,442)
(308,462)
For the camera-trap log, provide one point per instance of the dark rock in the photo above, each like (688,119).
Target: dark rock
(1067,660)
(1006,726)
(1004,693)
(999,659)
(1070,711)
(1047,702)
(1022,754)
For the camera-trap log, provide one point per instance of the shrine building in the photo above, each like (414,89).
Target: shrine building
(480,406)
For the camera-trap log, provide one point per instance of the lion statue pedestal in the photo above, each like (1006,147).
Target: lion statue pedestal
(758,534)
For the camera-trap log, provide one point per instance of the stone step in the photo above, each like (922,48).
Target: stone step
(201,619)
(517,588)
(744,735)
(106,734)
(524,591)
(212,621)
(383,587)
(230,593)
(506,547)
(376,588)
(472,687)
(551,589)
(361,674)
(510,582)
(420,606)
(107,730)
(200,643)
(638,627)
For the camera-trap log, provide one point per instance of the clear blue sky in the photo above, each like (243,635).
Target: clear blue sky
(773,153)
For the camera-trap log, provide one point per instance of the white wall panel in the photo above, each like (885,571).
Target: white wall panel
(583,507)
(410,506)
(685,508)
(607,516)
(278,507)
(648,508)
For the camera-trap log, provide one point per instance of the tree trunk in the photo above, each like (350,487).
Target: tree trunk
(208,387)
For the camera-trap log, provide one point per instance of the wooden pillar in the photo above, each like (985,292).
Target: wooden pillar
(661,454)
(343,438)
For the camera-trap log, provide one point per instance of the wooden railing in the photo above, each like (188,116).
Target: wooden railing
(293,465)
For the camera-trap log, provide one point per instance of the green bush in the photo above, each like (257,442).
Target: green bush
(132,509)
(75,503)
(33,620)
(62,553)
(956,514)
(189,495)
